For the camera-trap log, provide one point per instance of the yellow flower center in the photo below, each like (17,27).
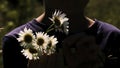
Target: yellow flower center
(40,41)
(31,50)
(28,38)
(57,21)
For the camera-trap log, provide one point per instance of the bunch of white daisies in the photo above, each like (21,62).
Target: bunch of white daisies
(41,43)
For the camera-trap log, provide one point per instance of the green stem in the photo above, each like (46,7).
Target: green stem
(48,30)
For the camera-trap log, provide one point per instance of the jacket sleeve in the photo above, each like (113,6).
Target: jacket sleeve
(113,51)
(12,57)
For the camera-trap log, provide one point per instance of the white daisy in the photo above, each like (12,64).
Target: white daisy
(66,27)
(31,54)
(60,22)
(59,18)
(51,45)
(26,37)
(41,41)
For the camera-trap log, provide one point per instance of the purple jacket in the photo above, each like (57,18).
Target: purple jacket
(106,35)
(108,38)
(12,57)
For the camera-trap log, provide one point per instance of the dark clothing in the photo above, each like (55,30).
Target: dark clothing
(108,38)
(12,56)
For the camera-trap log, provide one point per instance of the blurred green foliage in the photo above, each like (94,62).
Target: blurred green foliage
(17,12)
(14,13)
(105,10)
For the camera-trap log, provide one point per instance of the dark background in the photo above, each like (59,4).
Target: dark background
(14,13)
